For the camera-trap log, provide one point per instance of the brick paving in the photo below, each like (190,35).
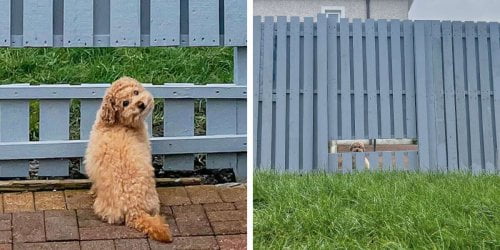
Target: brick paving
(201,217)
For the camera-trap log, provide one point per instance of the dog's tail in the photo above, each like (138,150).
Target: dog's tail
(154,226)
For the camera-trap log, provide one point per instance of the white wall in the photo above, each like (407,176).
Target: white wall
(455,10)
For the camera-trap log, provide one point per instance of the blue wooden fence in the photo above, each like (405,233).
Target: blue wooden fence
(124,23)
(316,82)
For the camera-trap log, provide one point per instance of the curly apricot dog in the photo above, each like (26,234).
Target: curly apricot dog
(118,161)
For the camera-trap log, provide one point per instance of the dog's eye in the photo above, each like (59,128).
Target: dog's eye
(125,103)
(136,92)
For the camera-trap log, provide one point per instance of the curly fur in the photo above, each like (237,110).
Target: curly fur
(118,161)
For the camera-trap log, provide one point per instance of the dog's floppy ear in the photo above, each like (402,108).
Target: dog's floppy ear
(108,112)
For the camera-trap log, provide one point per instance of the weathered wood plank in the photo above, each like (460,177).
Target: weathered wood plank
(54,125)
(165,25)
(322,96)
(307,97)
(125,23)
(179,121)
(461,108)
(487,141)
(37,23)
(267,95)
(78,23)
(280,114)
(204,23)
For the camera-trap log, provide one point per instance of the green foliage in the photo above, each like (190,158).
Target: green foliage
(376,210)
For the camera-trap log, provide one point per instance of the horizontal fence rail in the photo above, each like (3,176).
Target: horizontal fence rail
(224,141)
(93,91)
(122,23)
(316,82)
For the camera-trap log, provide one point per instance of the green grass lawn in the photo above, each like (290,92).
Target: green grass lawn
(376,210)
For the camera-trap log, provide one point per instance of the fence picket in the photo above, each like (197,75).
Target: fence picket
(495,67)
(385,97)
(54,125)
(307,97)
(179,121)
(78,23)
(373,158)
(409,78)
(441,155)
(38,23)
(201,32)
(125,29)
(400,166)
(257,30)
(347,162)
(360,161)
(5,23)
(472,84)
(235,32)
(449,92)
(294,100)
(387,161)
(421,93)
(14,114)
(484,83)
(461,108)
(332,79)
(322,96)
(345,80)
(358,72)
(165,26)
(267,94)
(280,114)
(397,80)
(371,80)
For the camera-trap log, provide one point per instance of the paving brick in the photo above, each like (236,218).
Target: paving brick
(173,196)
(69,245)
(191,220)
(241,205)
(232,242)
(97,245)
(18,202)
(87,218)
(5,222)
(203,194)
(49,200)
(5,246)
(226,215)
(198,242)
(78,199)
(109,233)
(135,244)
(233,194)
(5,237)
(218,206)
(61,225)
(166,211)
(28,227)
(229,227)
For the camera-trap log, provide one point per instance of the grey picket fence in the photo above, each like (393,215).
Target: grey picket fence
(124,23)
(316,82)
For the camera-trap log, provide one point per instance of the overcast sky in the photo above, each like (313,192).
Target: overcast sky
(456,10)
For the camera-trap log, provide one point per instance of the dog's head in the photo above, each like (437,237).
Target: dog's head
(357,147)
(126,102)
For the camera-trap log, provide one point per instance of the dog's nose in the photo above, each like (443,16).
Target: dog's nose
(141,105)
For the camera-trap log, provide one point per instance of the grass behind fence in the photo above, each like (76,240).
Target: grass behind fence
(104,65)
(376,210)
